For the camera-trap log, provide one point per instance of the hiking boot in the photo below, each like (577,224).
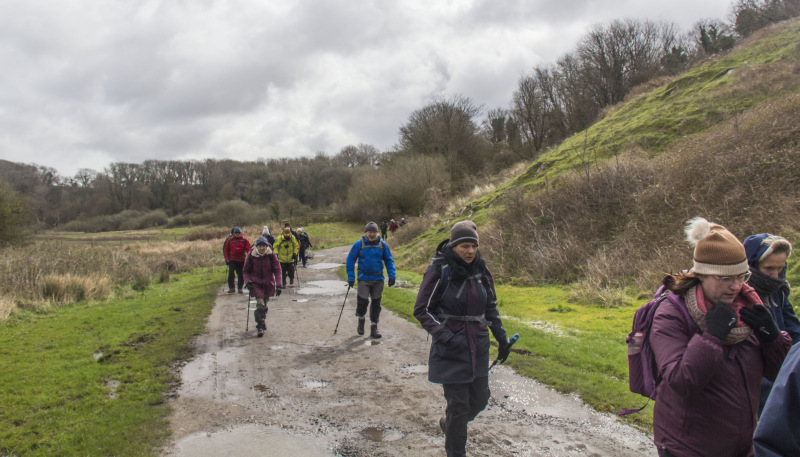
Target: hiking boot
(360,328)
(260,333)
(443,425)
(373,331)
(241,291)
(231,291)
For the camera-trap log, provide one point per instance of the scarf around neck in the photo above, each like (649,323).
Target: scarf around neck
(766,285)
(698,307)
(460,270)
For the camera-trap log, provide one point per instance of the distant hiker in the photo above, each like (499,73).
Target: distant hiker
(711,368)
(268,235)
(286,247)
(294,234)
(767,256)
(384,228)
(393,226)
(777,433)
(371,253)
(402,221)
(457,305)
(262,274)
(235,253)
(305,243)
(225,244)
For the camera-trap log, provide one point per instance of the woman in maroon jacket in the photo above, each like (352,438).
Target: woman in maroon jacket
(710,369)
(262,271)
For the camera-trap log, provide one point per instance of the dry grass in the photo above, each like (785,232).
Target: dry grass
(54,273)
(415,226)
(620,224)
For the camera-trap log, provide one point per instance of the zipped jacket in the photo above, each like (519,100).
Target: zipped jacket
(236,248)
(370,257)
(264,272)
(286,248)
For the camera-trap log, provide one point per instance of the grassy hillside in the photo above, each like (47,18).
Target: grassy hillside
(661,118)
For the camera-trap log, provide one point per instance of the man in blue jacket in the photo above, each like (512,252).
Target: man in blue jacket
(371,253)
(767,256)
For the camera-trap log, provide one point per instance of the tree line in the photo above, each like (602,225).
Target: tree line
(444,148)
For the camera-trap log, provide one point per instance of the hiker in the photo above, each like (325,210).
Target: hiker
(371,253)
(268,235)
(711,368)
(402,221)
(305,243)
(236,250)
(262,274)
(286,247)
(777,433)
(384,228)
(393,226)
(767,255)
(225,244)
(457,305)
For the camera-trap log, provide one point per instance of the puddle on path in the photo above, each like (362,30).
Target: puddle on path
(252,441)
(380,434)
(327,287)
(324,266)
(414,369)
(314,385)
(520,393)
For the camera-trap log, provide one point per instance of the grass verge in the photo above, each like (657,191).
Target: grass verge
(90,379)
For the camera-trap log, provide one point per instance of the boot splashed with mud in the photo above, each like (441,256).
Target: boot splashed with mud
(373,331)
(360,329)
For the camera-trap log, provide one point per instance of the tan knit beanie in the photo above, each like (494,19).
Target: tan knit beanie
(716,250)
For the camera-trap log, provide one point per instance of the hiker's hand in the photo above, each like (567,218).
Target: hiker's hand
(278,292)
(391,282)
(720,320)
(760,320)
(249,284)
(294,257)
(351,283)
(503,350)
(227,262)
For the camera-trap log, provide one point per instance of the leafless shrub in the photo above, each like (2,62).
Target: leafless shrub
(415,226)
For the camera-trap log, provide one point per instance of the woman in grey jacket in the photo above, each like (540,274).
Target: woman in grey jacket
(710,369)
(457,305)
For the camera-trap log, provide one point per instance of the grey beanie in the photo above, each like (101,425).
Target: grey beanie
(462,232)
(371,227)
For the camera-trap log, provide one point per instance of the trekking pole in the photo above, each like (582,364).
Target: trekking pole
(340,312)
(510,343)
(247,326)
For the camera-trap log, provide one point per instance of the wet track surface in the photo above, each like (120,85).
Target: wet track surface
(302,390)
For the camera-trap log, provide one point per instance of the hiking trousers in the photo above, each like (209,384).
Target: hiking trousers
(260,314)
(235,271)
(464,402)
(287,269)
(369,290)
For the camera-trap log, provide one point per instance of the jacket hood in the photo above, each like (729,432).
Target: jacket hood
(255,252)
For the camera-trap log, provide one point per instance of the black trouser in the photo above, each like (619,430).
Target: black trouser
(287,269)
(369,290)
(235,270)
(464,402)
(302,256)
(260,314)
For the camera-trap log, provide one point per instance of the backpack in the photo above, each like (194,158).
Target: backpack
(643,376)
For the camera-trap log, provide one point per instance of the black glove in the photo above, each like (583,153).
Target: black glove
(391,282)
(503,350)
(720,320)
(351,283)
(227,262)
(278,292)
(249,284)
(294,257)
(760,320)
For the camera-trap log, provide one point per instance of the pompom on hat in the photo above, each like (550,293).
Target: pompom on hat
(716,250)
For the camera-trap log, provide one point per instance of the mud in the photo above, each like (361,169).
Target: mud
(303,391)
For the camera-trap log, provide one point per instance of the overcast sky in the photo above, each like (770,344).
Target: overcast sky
(87,83)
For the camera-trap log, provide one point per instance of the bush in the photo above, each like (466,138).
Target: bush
(65,289)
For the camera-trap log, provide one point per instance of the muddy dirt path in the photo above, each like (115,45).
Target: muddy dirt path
(303,391)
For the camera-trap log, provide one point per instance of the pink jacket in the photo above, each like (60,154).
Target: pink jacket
(264,272)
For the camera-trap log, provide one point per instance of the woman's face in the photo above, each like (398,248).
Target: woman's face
(773,264)
(466,251)
(262,248)
(721,289)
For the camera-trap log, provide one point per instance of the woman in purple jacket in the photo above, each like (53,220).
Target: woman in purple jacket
(262,273)
(458,306)
(710,369)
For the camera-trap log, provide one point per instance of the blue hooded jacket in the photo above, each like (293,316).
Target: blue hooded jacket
(782,312)
(778,431)
(370,257)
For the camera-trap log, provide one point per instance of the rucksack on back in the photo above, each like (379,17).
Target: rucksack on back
(643,376)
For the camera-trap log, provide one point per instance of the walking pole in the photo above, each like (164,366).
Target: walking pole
(510,343)
(340,312)
(247,326)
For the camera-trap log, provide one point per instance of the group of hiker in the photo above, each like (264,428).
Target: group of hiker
(391,226)
(265,269)
(718,343)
